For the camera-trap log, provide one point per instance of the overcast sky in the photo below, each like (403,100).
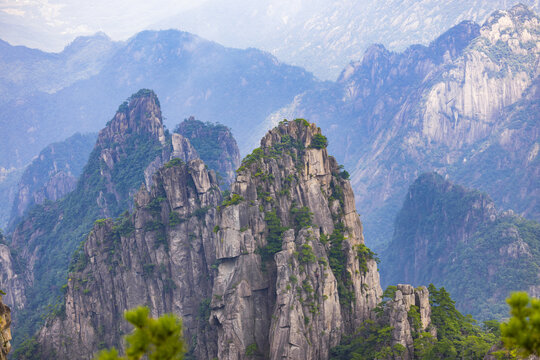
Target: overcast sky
(51,24)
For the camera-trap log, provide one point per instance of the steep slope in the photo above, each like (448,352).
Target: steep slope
(293,271)
(445,233)
(53,173)
(392,116)
(159,255)
(215,145)
(133,142)
(193,77)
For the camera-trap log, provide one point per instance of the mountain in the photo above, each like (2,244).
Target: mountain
(323,36)
(193,77)
(276,269)
(28,71)
(445,233)
(465,97)
(133,142)
(215,146)
(53,173)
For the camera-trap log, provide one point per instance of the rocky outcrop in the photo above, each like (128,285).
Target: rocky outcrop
(53,173)
(215,145)
(12,282)
(5,330)
(288,237)
(160,256)
(402,320)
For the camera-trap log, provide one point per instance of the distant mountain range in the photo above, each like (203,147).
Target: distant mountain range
(323,36)
(466,106)
(52,96)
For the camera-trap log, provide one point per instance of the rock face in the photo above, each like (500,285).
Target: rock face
(393,116)
(5,330)
(215,145)
(397,312)
(160,256)
(278,270)
(287,238)
(446,233)
(10,280)
(53,173)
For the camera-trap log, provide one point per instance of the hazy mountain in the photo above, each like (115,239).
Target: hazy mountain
(323,36)
(193,76)
(53,173)
(455,237)
(453,107)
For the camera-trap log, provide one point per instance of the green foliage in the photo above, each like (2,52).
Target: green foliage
(213,142)
(371,341)
(174,162)
(29,349)
(364,254)
(216,228)
(319,141)
(522,331)
(175,219)
(273,239)
(233,200)
(457,336)
(344,175)
(302,217)
(124,225)
(156,339)
(256,155)
(302,121)
(252,349)
(337,260)
(306,255)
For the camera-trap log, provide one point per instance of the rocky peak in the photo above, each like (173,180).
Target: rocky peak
(215,145)
(291,252)
(140,114)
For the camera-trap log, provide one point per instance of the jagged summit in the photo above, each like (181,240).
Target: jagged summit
(140,114)
(293,274)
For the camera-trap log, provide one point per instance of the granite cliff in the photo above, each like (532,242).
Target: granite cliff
(277,269)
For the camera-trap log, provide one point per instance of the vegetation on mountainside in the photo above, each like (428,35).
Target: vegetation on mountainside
(214,142)
(462,237)
(153,339)
(458,336)
(58,228)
